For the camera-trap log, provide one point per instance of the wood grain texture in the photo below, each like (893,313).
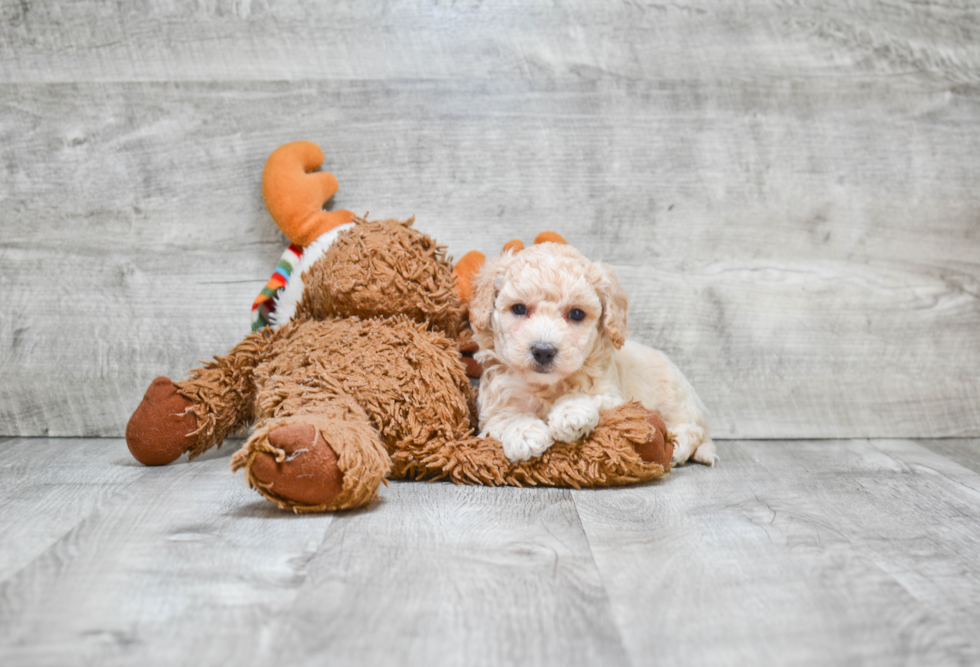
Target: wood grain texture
(439,574)
(801,553)
(232,40)
(787,552)
(190,563)
(187,562)
(788,192)
(964,451)
(56,497)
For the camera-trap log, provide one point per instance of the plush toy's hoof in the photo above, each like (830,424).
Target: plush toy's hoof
(163,425)
(660,448)
(473,367)
(309,475)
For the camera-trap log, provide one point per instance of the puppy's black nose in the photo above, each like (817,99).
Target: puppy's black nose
(544,353)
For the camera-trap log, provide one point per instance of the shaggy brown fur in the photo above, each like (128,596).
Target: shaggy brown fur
(367,383)
(222,393)
(607,457)
(386,268)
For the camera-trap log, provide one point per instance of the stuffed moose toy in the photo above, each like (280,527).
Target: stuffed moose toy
(360,377)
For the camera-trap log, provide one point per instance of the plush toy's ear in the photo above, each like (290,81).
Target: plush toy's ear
(295,193)
(615,304)
(485,289)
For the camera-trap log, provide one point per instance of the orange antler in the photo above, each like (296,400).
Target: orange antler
(465,271)
(549,237)
(515,245)
(470,264)
(295,193)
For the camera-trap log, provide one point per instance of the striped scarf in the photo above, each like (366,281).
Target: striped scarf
(265,302)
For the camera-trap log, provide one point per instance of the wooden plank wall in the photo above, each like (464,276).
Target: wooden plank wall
(788,190)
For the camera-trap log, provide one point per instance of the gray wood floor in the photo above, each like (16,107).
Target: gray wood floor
(789,553)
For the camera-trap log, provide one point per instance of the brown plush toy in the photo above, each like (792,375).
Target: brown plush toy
(360,379)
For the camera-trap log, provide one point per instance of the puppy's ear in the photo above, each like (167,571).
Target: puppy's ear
(486,285)
(615,305)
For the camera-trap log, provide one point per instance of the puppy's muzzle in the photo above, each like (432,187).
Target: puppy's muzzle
(544,354)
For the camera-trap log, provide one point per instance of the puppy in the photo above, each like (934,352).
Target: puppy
(552,333)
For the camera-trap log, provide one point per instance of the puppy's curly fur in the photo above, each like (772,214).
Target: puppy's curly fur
(552,331)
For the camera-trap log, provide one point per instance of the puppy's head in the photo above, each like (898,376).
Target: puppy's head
(545,310)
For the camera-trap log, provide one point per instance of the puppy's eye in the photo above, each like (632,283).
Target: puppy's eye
(519,309)
(576,315)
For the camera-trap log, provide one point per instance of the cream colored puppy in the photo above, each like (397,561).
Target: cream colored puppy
(552,333)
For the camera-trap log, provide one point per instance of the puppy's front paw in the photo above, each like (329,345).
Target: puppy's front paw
(525,440)
(573,419)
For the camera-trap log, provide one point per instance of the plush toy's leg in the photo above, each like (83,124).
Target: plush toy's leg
(327,458)
(629,445)
(223,392)
(193,415)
